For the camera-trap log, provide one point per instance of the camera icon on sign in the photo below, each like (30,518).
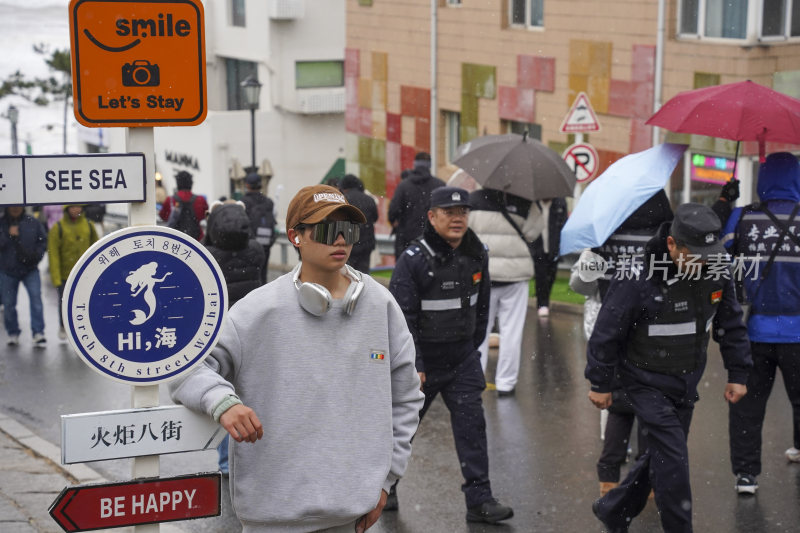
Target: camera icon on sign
(140,73)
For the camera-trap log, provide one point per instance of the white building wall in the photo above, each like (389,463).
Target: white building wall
(301,148)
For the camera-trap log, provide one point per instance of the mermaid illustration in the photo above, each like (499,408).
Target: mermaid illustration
(143,279)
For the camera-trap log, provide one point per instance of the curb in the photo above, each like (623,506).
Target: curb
(77,474)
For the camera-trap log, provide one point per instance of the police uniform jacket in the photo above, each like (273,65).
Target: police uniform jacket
(444,294)
(653,330)
(750,234)
(626,245)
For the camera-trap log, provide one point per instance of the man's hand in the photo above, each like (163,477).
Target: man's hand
(13,231)
(730,191)
(734,392)
(369,519)
(421,380)
(601,400)
(242,424)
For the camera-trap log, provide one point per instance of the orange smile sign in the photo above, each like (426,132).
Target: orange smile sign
(138,63)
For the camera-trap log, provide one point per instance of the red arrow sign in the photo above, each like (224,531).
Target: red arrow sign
(141,501)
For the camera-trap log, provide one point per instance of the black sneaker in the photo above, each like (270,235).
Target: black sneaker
(490,511)
(505,393)
(609,528)
(391,500)
(746,484)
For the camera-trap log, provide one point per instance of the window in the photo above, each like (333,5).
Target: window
(528,13)
(236,13)
(534,130)
(313,74)
(453,125)
(780,18)
(454,2)
(727,19)
(236,72)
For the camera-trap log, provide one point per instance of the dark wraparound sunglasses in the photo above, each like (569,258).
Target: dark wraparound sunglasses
(328,232)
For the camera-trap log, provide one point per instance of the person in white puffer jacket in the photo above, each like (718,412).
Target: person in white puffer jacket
(507,225)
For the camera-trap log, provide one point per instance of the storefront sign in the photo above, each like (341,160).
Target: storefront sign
(710,169)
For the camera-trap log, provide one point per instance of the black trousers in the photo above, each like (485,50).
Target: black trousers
(617,438)
(545,268)
(664,466)
(461,387)
(746,417)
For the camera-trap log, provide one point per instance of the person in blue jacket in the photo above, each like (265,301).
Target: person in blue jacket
(441,283)
(652,335)
(23,242)
(769,230)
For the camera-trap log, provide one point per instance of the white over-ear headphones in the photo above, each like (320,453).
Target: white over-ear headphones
(317,300)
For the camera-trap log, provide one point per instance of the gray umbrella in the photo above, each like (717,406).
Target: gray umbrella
(517,165)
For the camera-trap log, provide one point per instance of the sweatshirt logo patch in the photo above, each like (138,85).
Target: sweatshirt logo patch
(376,355)
(477,277)
(716,297)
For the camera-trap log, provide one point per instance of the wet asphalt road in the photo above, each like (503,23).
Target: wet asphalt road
(543,442)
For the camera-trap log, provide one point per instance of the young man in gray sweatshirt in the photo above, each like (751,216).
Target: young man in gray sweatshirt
(323,357)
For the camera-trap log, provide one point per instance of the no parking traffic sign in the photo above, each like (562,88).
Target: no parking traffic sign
(144,304)
(582,159)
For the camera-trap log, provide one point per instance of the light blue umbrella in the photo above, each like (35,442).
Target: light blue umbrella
(616,194)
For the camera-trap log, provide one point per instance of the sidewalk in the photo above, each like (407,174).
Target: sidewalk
(31,477)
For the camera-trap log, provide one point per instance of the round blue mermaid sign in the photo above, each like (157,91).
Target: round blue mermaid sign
(144,304)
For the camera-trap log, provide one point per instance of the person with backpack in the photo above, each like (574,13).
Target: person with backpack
(241,259)
(507,225)
(68,239)
(184,211)
(261,212)
(764,236)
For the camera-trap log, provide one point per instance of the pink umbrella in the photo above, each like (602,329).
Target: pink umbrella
(742,111)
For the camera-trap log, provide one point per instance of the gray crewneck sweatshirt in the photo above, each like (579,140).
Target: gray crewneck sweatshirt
(338,396)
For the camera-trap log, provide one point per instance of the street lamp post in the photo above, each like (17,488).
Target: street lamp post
(13,116)
(251,89)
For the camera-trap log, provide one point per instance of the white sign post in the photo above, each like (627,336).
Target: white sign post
(100,64)
(72,179)
(580,119)
(136,432)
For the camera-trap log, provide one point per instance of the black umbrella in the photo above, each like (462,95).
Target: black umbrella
(517,165)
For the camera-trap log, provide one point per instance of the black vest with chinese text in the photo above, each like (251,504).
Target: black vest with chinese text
(674,340)
(448,304)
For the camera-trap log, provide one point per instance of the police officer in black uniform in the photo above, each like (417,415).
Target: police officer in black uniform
(442,285)
(652,335)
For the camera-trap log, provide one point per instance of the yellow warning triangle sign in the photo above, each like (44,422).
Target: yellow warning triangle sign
(581,117)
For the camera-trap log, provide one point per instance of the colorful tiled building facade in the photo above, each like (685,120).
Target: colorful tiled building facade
(512,65)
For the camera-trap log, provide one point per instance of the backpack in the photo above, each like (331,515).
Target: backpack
(182,217)
(262,223)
